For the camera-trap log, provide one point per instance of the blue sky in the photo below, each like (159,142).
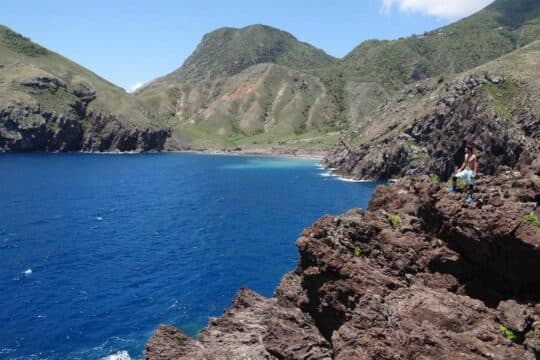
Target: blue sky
(131,42)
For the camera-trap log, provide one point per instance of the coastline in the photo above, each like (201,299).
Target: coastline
(274,152)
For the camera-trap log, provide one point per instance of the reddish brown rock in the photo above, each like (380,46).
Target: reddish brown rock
(252,328)
(435,285)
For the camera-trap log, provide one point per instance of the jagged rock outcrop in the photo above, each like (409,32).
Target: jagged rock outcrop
(252,328)
(30,125)
(464,113)
(419,275)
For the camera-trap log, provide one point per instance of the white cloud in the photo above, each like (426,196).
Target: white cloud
(135,87)
(448,9)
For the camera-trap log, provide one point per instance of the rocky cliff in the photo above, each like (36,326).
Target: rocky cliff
(423,130)
(49,103)
(419,275)
(68,124)
(435,142)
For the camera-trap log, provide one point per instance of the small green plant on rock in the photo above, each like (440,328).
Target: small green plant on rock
(532,219)
(434,177)
(357,251)
(461,185)
(511,335)
(395,221)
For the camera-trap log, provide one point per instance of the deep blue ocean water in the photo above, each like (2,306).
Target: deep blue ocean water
(97,250)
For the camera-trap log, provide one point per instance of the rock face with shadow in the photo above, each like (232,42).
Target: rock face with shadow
(58,118)
(419,275)
(432,140)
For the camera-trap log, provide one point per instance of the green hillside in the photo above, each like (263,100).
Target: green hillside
(256,81)
(48,102)
(228,51)
(254,86)
(500,28)
(423,128)
(221,97)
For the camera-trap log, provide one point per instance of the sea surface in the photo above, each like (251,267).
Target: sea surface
(97,250)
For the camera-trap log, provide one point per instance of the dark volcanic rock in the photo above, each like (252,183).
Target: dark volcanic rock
(435,285)
(30,127)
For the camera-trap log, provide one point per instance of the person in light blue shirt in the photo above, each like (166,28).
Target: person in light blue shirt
(467,172)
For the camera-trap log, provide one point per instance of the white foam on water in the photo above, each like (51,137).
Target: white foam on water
(121,355)
(6,351)
(352,180)
(331,174)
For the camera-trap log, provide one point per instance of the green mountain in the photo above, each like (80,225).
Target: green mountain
(228,51)
(252,87)
(498,29)
(386,66)
(248,86)
(47,102)
(259,86)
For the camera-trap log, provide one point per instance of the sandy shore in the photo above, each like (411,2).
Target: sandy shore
(277,152)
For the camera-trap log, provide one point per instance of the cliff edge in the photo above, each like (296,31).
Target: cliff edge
(419,275)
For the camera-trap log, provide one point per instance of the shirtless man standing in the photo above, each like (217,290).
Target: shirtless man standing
(467,172)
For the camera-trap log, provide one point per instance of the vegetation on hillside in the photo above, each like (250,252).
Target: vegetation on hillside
(261,86)
(497,30)
(228,51)
(21,44)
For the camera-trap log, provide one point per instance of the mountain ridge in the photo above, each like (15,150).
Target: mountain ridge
(258,86)
(355,85)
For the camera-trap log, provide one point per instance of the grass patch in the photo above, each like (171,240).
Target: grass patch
(511,335)
(502,95)
(395,221)
(461,185)
(22,45)
(357,251)
(532,219)
(434,177)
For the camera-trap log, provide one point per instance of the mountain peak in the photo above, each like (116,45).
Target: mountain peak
(227,51)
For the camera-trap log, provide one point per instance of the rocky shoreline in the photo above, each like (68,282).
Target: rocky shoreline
(452,115)
(73,126)
(419,275)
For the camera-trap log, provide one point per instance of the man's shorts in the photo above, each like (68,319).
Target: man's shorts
(466,175)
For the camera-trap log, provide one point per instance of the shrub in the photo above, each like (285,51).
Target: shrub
(357,251)
(461,185)
(434,177)
(532,219)
(395,221)
(511,335)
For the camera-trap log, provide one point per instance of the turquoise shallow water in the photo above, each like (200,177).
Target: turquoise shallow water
(97,250)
